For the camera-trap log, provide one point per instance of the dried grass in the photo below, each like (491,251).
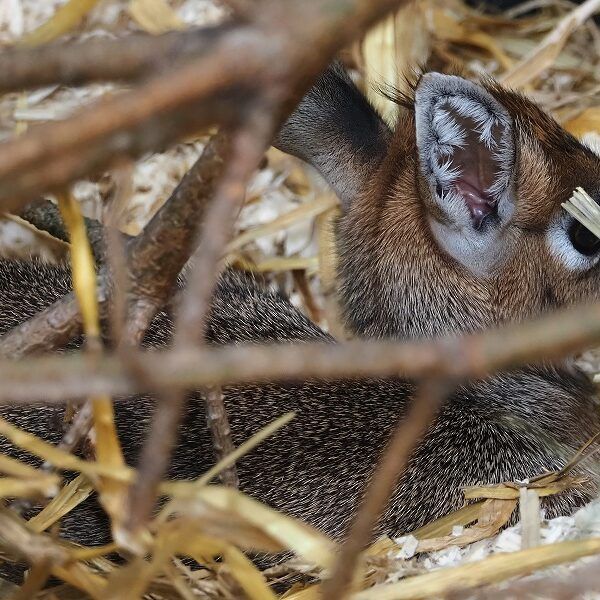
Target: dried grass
(285,227)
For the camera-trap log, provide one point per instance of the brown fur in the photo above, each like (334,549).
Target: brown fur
(389,258)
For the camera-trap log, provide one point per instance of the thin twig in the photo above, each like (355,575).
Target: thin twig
(115,251)
(159,254)
(154,460)
(51,328)
(101,59)
(78,429)
(308,300)
(218,424)
(116,255)
(425,405)
(248,146)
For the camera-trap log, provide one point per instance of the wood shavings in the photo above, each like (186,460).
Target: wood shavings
(454,569)
(21,16)
(549,49)
(12,18)
(201,12)
(19,238)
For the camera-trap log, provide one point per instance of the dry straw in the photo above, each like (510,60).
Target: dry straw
(583,207)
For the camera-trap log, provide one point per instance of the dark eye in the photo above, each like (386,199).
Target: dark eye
(583,240)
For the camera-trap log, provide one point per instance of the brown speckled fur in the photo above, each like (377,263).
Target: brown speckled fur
(394,281)
(316,467)
(389,259)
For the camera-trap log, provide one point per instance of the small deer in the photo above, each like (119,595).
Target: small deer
(451,223)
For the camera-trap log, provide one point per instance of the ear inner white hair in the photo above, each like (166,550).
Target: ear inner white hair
(466,153)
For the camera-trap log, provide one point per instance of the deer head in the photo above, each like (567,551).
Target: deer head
(452,221)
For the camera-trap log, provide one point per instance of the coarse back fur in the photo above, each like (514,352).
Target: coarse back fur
(317,466)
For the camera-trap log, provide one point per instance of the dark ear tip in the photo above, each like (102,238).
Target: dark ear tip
(435,85)
(440,81)
(431,75)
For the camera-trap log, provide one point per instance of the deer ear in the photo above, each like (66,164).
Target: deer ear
(466,153)
(337,131)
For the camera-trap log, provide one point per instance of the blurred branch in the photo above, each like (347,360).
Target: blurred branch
(52,378)
(154,460)
(101,59)
(247,147)
(218,424)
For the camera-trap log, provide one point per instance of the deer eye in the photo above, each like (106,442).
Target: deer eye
(583,240)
